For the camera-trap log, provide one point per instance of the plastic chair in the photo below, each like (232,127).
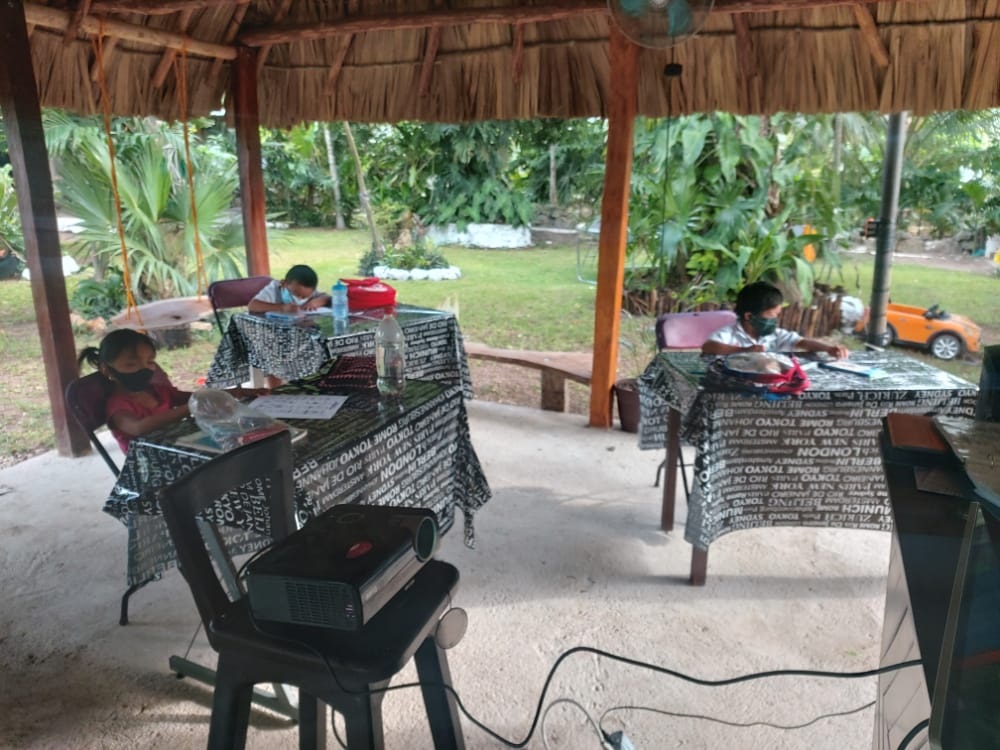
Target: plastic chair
(228,293)
(340,669)
(687,330)
(85,399)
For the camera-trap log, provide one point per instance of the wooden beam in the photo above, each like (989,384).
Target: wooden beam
(279,15)
(246,117)
(53,18)
(231,31)
(421,20)
(782,6)
(869,31)
(36,206)
(747,62)
(614,224)
(336,66)
(430,55)
(554,11)
(82,9)
(517,63)
(169,55)
(159,7)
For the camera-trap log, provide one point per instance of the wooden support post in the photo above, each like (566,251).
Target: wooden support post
(553,391)
(30,161)
(246,116)
(614,225)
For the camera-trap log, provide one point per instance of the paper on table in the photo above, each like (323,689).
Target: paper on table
(319,311)
(298,406)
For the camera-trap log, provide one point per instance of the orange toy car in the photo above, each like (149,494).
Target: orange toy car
(946,335)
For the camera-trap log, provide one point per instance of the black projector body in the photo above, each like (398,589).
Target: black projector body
(342,567)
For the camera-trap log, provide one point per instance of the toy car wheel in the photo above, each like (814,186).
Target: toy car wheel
(890,335)
(946,346)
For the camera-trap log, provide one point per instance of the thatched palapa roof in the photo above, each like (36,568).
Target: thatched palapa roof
(390,60)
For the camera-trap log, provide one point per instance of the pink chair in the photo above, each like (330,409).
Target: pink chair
(689,330)
(686,330)
(234,293)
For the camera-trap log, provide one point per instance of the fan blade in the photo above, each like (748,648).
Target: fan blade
(679,17)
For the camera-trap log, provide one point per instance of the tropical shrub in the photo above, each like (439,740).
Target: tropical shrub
(10,220)
(715,203)
(94,298)
(156,213)
(447,174)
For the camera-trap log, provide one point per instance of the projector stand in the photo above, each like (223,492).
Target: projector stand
(279,702)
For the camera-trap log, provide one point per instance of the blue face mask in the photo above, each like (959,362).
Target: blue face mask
(286,297)
(763,326)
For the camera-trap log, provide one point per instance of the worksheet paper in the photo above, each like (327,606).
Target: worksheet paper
(298,406)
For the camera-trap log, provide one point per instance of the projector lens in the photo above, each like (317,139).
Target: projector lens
(425,539)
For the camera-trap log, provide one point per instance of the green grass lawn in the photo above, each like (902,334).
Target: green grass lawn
(527,299)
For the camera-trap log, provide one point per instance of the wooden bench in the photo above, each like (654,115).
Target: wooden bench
(555,367)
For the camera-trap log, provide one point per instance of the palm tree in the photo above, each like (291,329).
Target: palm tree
(156,215)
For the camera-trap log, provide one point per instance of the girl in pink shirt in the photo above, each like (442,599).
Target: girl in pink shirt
(141,397)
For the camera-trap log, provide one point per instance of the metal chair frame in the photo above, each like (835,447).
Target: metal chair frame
(228,293)
(687,330)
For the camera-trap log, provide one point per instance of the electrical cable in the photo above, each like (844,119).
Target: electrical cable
(740,724)
(336,734)
(913,733)
(553,704)
(552,671)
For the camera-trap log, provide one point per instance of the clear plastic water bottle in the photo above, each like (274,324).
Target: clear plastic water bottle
(338,301)
(390,356)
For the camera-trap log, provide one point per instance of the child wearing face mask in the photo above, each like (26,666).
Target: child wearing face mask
(140,396)
(295,293)
(758,306)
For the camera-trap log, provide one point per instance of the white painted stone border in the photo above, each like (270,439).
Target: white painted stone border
(417,274)
(493,236)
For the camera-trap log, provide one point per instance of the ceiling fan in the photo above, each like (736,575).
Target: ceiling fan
(659,23)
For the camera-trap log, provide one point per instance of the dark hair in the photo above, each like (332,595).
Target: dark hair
(757,297)
(112,346)
(304,275)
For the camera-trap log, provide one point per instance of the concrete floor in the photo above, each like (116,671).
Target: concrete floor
(569,553)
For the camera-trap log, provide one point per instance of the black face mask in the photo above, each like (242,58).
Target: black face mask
(133,381)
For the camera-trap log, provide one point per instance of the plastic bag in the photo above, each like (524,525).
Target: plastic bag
(230,423)
(767,372)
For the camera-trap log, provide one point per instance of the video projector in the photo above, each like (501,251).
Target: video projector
(342,567)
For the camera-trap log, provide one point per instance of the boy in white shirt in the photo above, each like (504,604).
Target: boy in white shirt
(758,307)
(297,292)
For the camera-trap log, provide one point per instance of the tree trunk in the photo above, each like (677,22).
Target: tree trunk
(838,144)
(334,178)
(553,186)
(377,246)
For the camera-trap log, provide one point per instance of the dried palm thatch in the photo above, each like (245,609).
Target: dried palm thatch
(396,60)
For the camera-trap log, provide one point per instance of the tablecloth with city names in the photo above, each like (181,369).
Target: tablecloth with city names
(434,346)
(419,455)
(808,460)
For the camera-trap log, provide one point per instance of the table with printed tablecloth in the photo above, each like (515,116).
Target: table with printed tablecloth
(415,452)
(434,348)
(767,460)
